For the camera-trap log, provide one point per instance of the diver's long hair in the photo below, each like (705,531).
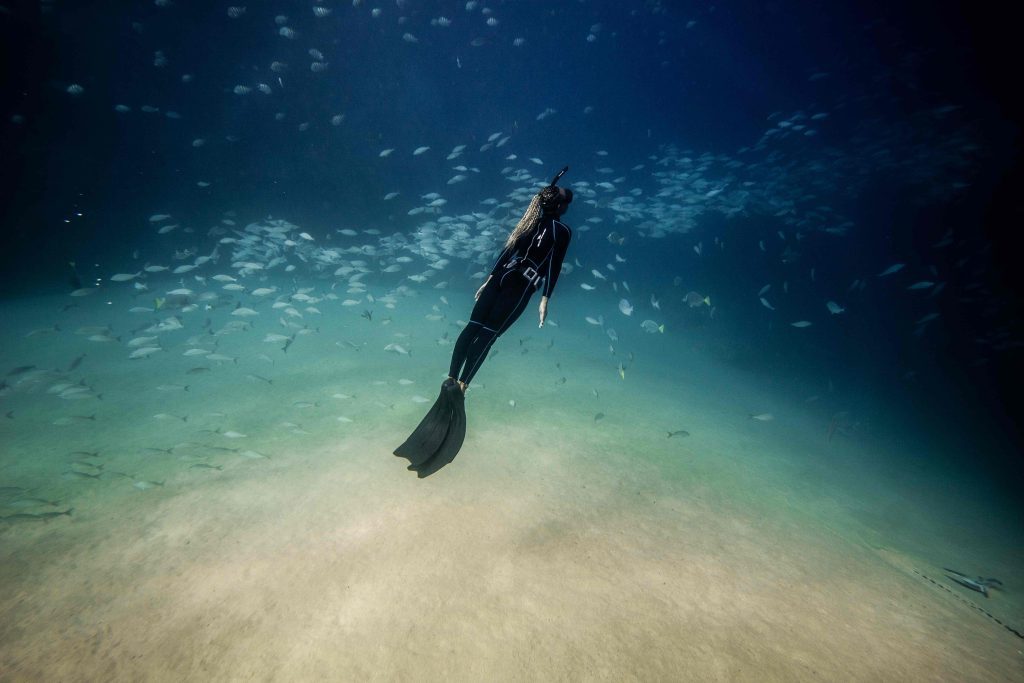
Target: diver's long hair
(532,215)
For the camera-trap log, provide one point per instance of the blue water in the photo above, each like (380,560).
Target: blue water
(744,145)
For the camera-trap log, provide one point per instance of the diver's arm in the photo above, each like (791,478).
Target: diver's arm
(554,268)
(498,265)
(476,297)
(555,264)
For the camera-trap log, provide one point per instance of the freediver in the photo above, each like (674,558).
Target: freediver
(531,260)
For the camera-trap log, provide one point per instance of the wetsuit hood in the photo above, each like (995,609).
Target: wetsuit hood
(555,200)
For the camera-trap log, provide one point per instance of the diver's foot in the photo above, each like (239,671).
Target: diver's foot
(462,385)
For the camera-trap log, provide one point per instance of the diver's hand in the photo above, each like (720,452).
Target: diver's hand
(476,297)
(543,310)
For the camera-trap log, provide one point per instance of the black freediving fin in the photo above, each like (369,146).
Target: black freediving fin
(455,437)
(428,436)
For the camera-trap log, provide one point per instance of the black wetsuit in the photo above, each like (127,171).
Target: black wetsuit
(532,262)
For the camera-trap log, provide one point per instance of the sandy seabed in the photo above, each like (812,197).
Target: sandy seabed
(349,568)
(555,547)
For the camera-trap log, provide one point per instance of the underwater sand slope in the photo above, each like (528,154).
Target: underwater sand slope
(558,544)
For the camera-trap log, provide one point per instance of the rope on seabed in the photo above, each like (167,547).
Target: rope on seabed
(971,604)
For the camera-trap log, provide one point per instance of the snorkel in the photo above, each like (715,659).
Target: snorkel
(554,199)
(554,181)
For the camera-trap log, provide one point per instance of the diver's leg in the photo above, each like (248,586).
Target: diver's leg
(462,347)
(481,311)
(506,310)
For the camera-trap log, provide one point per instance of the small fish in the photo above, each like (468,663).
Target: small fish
(75,474)
(73,419)
(599,416)
(894,268)
(275,338)
(22,503)
(694,299)
(124,277)
(801,323)
(43,330)
(651,327)
(764,302)
(967,582)
(173,387)
(763,417)
(168,416)
(678,432)
(625,307)
(26,516)
(834,308)
(923,284)
(397,348)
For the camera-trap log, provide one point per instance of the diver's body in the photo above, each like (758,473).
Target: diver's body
(532,262)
